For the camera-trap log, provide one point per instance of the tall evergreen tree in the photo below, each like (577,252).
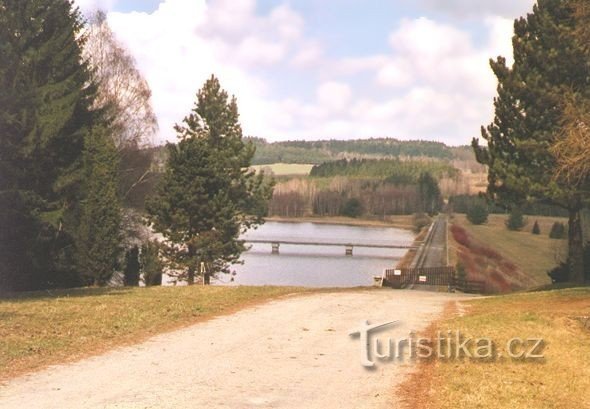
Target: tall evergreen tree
(99,232)
(548,63)
(45,106)
(208,195)
(429,191)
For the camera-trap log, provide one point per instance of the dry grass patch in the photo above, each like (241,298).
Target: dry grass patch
(41,329)
(285,169)
(533,254)
(561,380)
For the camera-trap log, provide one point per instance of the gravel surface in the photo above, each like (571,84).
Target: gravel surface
(295,352)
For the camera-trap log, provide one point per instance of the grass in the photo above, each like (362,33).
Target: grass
(40,329)
(532,254)
(286,169)
(560,380)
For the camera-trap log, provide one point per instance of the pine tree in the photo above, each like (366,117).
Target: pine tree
(548,64)
(208,195)
(99,233)
(132,267)
(515,221)
(45,100)
(429,191)
(151,265)
(478,213)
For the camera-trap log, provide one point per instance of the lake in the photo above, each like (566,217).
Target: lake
(317,266)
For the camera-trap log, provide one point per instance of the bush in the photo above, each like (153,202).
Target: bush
(421,220)
(151,265)
(352,208)
(131,272)
(515,220)
(477,214)
(536,228)
(557,231)
(560,273)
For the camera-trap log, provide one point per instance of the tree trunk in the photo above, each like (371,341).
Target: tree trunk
(191,275)
(575,247)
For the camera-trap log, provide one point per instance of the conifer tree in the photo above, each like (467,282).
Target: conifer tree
(208,195)
(99,232)
(548,63)
(45,107)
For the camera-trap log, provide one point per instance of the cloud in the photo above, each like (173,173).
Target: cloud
(431,80)
(435,83)
(92,5)
(470,8)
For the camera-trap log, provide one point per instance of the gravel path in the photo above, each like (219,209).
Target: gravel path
(289,353)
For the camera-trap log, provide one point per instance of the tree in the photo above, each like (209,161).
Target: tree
(352,208)
(208,195)
(536,229)
(151,265)
(515,220)
(558,231)
(132,267)
(477,213)
(122,91)
(548,63)
(46,99)
(430,196)
(99,233)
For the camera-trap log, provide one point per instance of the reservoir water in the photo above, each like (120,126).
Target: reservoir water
(317,266)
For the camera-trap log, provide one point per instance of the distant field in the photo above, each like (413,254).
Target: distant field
(533,254)
(560,380)
(286,169)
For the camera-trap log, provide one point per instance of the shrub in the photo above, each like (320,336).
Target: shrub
(151,265)
(515,220)
(557,231)
(131,272)
(460,235)
(560,273)
(536,228)
(477,213)
(421,220)
(352,208)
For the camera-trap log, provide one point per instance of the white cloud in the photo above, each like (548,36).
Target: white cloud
(88,6)
(434,81)
(470,8)
(334,96)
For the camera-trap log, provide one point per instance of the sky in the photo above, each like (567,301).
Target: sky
(322,69)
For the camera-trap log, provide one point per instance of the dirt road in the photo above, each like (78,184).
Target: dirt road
(290,353)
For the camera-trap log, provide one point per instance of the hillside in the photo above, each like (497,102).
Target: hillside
(317,152)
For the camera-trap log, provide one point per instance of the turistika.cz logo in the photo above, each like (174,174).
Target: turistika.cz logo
(446,345)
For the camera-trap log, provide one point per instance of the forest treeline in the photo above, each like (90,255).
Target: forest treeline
(317,152)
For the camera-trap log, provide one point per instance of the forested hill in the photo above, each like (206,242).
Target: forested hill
(317,152)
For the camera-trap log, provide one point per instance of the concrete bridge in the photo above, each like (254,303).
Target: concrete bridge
(348,247)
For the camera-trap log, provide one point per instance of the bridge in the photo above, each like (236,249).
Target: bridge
(348,247)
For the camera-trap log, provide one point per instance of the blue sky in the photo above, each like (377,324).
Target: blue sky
(305,69)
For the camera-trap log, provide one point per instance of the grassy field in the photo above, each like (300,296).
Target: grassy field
(37,330)
(532,254)
(560,380)
(286,169)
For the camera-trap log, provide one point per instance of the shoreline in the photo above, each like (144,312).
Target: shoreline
(403,222)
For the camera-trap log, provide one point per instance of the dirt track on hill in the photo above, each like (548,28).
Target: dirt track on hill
(289,353)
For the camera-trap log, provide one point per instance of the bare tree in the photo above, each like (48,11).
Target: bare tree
(122,91)
(572,149)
